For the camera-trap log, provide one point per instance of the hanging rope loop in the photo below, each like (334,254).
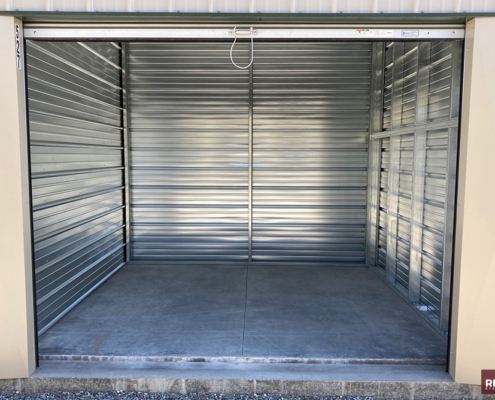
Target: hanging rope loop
(242,32)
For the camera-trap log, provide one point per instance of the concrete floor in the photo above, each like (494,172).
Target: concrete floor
(233,311)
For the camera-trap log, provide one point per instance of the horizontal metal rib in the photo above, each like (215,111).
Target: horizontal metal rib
(430,126)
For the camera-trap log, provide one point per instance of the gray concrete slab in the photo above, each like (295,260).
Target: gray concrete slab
(332,313)
(203,311)
(157,310)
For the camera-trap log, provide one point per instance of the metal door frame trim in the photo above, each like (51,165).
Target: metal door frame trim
(143,32)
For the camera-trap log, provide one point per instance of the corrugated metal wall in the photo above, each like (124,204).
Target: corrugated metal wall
(189,151)
(417,174)
(311,117)
(75,124)
(399,103)
(256,6)
(189,136)
(441,150)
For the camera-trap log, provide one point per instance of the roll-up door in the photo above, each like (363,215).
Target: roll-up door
(189,110)
(311,118)
(75,124)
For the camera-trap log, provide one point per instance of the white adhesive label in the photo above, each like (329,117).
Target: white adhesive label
(375,32)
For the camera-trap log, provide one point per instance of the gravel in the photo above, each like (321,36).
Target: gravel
(13,395)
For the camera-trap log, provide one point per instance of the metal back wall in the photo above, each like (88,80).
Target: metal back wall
(416,180)
(189,151)
(311,118)
(75,123)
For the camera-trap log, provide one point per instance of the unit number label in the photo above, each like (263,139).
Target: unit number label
(18,46)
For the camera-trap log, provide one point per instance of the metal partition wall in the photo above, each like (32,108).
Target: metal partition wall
(76,139)
(413,152)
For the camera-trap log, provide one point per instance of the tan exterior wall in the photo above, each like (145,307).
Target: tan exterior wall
(473,322)
(473,296)
(17,332)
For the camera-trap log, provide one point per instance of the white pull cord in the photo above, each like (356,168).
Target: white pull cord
(232,48)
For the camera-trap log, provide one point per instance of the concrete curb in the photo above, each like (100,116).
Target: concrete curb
(380,390)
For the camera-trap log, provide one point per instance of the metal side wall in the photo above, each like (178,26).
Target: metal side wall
(417,173)
(188,142)
(310,129)
(76,139)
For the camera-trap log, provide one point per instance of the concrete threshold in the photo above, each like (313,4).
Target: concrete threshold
(381,381)
(248,360)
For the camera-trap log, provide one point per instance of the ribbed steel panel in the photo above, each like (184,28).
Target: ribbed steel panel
(404,210)
(440,105)
(440,81)
(75,123)
(255,6)
(401,68)
(311,118)
(434,100)
(188,151)
(434,218)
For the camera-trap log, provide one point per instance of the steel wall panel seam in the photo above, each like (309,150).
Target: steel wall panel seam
(374,149)
(126,142)
(250,157)
(419,173)
(394,164)
(450,190)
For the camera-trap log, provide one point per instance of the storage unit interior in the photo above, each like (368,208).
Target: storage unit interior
(298,208)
